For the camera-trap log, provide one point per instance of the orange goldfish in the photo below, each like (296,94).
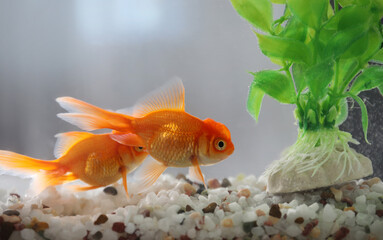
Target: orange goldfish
(95,159)
(159,122)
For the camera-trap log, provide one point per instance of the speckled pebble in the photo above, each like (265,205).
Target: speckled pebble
(11,219)
(111,191)
(299,220)
(338,194)
(189,189)
(227,222)
(244,193)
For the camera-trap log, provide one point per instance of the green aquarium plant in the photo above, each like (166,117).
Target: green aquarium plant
(324,50)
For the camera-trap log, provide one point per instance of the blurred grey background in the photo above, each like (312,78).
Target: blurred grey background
(111,53)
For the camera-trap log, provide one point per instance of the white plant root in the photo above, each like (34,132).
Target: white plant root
(312,151)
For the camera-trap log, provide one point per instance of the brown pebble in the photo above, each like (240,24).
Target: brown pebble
(188,208)
(309,227)
(118,227)
(131,236)
(169,238)
(227,222)
(189,189)
(101,219)
(16,206)
(225,183)
(348,201)
(244,193)
(19,226)
(6,229)
(341,233)
(34,206)
(11,213)
(299,220)
(181,176)
(1,219)
(213,183)
(275,211)
(276,237)
(327,194)
(184,237)
(11,219)
(352,208)
(146,213)
(379,213)
(14,195)
(259,213)
(210,208)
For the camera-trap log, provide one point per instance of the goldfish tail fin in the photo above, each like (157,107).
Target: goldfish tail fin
(45,173)
(148,174)
(89,117)
(24,164)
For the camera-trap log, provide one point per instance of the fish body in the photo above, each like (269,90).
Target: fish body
(93,158)
(173,137)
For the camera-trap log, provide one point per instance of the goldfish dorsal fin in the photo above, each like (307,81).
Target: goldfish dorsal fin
(171,96)
(66,140)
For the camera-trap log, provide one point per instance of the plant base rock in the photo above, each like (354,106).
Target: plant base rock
(327,175)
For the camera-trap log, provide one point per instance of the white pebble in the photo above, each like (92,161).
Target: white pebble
(378,187)
(163,224)
(258,231)
(363,219)
(28,234)
(377,227)
(235,207)
(209,224)
(360,199)
(192,233)
(130,228)
(271,230)
(371,209)
(220,213)
(249,216)
(293,230)
(329,214)
(138,219)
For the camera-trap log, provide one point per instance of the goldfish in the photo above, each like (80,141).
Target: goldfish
(173,137)
(95,159)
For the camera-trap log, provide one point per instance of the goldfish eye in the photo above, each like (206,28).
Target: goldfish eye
(220,144)
(139,149)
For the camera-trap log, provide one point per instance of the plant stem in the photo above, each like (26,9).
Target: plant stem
(336,6)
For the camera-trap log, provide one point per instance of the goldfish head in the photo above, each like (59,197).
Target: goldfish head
(136,157)
(214,143)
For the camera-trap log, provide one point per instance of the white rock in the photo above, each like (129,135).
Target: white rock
(258,231)
(371,209)
(360,199)
(163,225)
(271,230)
(235,207)
(249,216)
(293,230)
(378,187)
(376,228)
(219,213)
(363,219)
(130,228)
(209,224)
(192,233)
(28,234)
(329,214)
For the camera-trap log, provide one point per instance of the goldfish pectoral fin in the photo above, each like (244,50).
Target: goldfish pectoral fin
(128,139)
(195,171)
(169,97)
(148,173)
(79,188)
(66,140)
(124,171)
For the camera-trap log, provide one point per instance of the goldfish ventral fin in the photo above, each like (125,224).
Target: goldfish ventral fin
(66,140)
(148,173)
(124,171)
(195,171)
(169,97)
(128,139)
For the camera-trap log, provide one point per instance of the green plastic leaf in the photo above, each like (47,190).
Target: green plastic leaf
(343,113)
(258,12)
(310,13)
(298,70)
(363,109)
(378,57)
(357,48)
(254,100)
(342,40)
(347,70)
(278,1)
(294,29)
(370,78)
(284,48)
(276,85)
(318,78)
(374,43)
(345,3)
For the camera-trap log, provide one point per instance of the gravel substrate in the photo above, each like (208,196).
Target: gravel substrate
(176,208)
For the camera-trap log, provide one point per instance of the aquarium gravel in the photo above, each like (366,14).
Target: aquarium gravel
(177,208)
